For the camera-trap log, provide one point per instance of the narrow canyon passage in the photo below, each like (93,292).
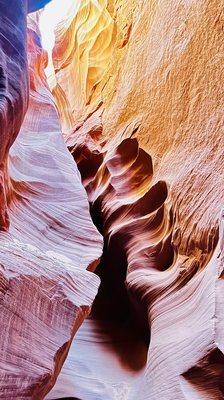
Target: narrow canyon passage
(118,332)
(152,259)
(111,200)
(105,361)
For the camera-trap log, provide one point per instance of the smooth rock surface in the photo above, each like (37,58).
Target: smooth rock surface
(45,290)
(48,204)
(161,86)
(138,89)
(14,89)
(104,361)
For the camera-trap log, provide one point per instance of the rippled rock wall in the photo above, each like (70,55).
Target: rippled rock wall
(149,146)
(50,242)
(135,93)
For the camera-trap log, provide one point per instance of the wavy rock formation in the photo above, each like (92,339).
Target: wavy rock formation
(84,44)
(45,289)
(163,253)
(138,249)
(135,87)
(119,220)
(48,204)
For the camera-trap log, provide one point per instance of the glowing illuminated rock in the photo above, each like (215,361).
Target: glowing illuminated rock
(162,87)
(138,89)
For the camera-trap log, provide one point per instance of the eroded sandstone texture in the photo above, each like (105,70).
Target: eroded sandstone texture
(137,87)
(45,288)
(149,146)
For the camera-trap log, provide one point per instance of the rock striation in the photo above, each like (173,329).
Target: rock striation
(48,204)
(117,169)
(150,152)
(45,288)
(43,302)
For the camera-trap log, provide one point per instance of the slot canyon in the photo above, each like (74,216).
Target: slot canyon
(111,200)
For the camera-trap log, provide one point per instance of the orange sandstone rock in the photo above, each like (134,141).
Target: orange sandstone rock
(160,97)
(138,88)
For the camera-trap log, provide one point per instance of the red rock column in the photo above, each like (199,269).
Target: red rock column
(13,87)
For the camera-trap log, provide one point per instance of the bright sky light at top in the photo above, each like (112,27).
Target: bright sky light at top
(53,13)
